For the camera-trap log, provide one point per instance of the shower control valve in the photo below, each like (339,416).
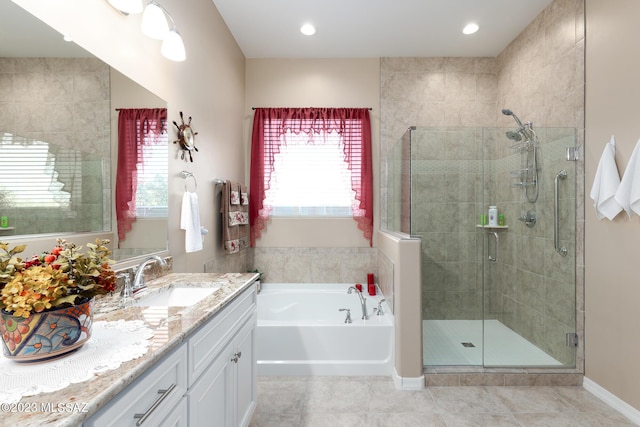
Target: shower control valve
(529,219)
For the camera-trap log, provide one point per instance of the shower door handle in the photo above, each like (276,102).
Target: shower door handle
(495,251)
(556,238)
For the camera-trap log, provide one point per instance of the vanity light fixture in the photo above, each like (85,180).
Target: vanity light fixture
(173,47)
(308,29)
(155,25)
(127,7)
(154,21)
(470,28)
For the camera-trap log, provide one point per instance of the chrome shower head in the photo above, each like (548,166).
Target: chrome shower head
(514,136)
(508,112)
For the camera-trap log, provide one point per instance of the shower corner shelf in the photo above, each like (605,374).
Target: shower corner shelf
(493,227)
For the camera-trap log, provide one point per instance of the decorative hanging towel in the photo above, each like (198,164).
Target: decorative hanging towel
(606,184)
(235,217)
(190,222)
(628,194)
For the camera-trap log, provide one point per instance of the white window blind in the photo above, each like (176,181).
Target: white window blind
(153,188)
(310,177)
(29,174)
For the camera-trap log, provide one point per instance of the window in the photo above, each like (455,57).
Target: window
(311,162)
(141,132)
(310,178)
(31,175)
(153,186)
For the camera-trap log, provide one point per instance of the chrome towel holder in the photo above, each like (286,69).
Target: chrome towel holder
(187,174)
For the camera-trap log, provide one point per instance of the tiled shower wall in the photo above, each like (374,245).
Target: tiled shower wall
(539,76)
(65,102)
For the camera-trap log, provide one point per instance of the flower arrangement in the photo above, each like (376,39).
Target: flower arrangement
(62,277)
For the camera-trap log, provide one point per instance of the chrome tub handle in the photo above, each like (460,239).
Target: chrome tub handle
(556,233)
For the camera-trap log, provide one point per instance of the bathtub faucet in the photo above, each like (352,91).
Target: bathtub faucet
(363,301)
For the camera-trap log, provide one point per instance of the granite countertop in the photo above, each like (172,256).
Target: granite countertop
(171,327)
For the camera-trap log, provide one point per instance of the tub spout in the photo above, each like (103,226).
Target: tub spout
(363,301)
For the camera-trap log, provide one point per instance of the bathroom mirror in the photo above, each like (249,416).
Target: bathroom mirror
(58,109)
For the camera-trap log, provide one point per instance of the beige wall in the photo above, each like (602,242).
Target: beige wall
(209,86)
(404,254)
(611,247)
(314,83)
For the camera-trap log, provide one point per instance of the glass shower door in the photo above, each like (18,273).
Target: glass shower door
(528,261)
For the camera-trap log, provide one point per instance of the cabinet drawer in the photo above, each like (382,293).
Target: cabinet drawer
(207,342)
(169,375)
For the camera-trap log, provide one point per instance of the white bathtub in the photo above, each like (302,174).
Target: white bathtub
(301,332)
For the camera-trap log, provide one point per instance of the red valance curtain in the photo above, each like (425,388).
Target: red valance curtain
(136,127)
(354,127)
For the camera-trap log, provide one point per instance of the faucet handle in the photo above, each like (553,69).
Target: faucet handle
(378,309)
(348,318)
(126,287)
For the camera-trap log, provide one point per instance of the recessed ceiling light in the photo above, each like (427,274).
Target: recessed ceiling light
(67,38)
(470,28)
(308,29)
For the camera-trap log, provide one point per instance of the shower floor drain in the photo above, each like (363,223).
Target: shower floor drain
(468,344)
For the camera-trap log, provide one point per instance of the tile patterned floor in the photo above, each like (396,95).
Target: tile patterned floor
(374,401)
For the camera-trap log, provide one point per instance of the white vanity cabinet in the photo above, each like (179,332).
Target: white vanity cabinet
(210,380)
(152,399)
(222,382)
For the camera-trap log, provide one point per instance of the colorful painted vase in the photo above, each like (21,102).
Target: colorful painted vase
(46,335)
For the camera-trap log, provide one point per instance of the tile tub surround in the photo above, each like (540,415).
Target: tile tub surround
(171,326)
(367,401)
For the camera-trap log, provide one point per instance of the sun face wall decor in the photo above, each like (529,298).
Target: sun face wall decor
(186,137)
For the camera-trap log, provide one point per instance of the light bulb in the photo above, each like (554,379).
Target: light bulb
(154,22)
(308,29)
(470,28)
(128,7)
(173,47)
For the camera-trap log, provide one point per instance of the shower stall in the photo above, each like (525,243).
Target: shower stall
(492,295)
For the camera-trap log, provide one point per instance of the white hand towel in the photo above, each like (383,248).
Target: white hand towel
(628,194)
(606,183)
(190,222)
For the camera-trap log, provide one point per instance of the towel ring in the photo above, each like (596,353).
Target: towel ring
(186,175)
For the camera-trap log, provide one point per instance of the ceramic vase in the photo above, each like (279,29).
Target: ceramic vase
(46,335)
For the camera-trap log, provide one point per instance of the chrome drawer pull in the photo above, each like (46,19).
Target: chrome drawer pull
(163,394)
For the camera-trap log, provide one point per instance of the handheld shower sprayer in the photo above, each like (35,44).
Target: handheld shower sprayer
(508,112)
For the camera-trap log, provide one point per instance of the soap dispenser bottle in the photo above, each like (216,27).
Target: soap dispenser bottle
(493,216)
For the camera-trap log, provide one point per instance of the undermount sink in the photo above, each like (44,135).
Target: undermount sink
(175,297)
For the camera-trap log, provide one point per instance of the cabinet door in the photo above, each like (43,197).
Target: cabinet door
(246,373)
(178,417)
(210,402)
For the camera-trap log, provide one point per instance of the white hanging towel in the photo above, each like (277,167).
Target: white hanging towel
(606,183)
(190,222)
(628,194)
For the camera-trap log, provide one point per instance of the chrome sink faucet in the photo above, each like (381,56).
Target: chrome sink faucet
(363,301)
(138,278)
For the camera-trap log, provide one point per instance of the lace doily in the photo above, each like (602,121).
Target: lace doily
(111,344)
